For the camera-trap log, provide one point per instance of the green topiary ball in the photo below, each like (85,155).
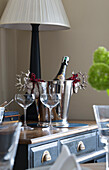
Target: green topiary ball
(98,76)
(101,55)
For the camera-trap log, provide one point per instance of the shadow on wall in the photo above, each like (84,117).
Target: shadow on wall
(2,6)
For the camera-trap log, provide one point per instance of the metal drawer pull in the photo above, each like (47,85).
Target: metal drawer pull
(80,146)
(46,156)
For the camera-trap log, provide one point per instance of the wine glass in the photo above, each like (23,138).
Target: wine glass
(25,100)
(102,118)
(50,101)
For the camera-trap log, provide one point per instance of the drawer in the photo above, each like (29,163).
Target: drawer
(44,154)
(81,144)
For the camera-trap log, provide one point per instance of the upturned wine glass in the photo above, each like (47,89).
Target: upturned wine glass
(102,118)
(25,100)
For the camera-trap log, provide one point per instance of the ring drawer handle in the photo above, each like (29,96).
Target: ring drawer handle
(80,146)
(46,156)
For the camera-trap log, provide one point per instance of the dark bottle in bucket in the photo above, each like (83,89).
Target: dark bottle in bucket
(62,70)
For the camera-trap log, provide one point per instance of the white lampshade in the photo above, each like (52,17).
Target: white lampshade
(49,14)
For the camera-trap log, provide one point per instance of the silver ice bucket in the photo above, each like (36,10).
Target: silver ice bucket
(60,112)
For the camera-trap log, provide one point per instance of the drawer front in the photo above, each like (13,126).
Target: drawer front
(81,144)
(43,155)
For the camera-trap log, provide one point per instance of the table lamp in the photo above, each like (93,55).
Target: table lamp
(35,15)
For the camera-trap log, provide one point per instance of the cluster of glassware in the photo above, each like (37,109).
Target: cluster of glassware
(48,96)
(102,118)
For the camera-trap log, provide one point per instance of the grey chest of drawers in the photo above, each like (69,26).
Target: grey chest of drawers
(38,148)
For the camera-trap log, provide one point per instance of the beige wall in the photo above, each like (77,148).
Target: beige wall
(89,29)
(89,21)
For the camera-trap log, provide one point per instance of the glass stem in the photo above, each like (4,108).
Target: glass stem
(25,117)
(50,109)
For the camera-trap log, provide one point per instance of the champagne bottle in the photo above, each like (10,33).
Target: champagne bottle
(60,76)
(62,70)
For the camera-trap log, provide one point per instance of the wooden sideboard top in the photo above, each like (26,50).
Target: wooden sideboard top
(40,134)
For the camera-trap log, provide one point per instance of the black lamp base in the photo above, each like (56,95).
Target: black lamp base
(32,113)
